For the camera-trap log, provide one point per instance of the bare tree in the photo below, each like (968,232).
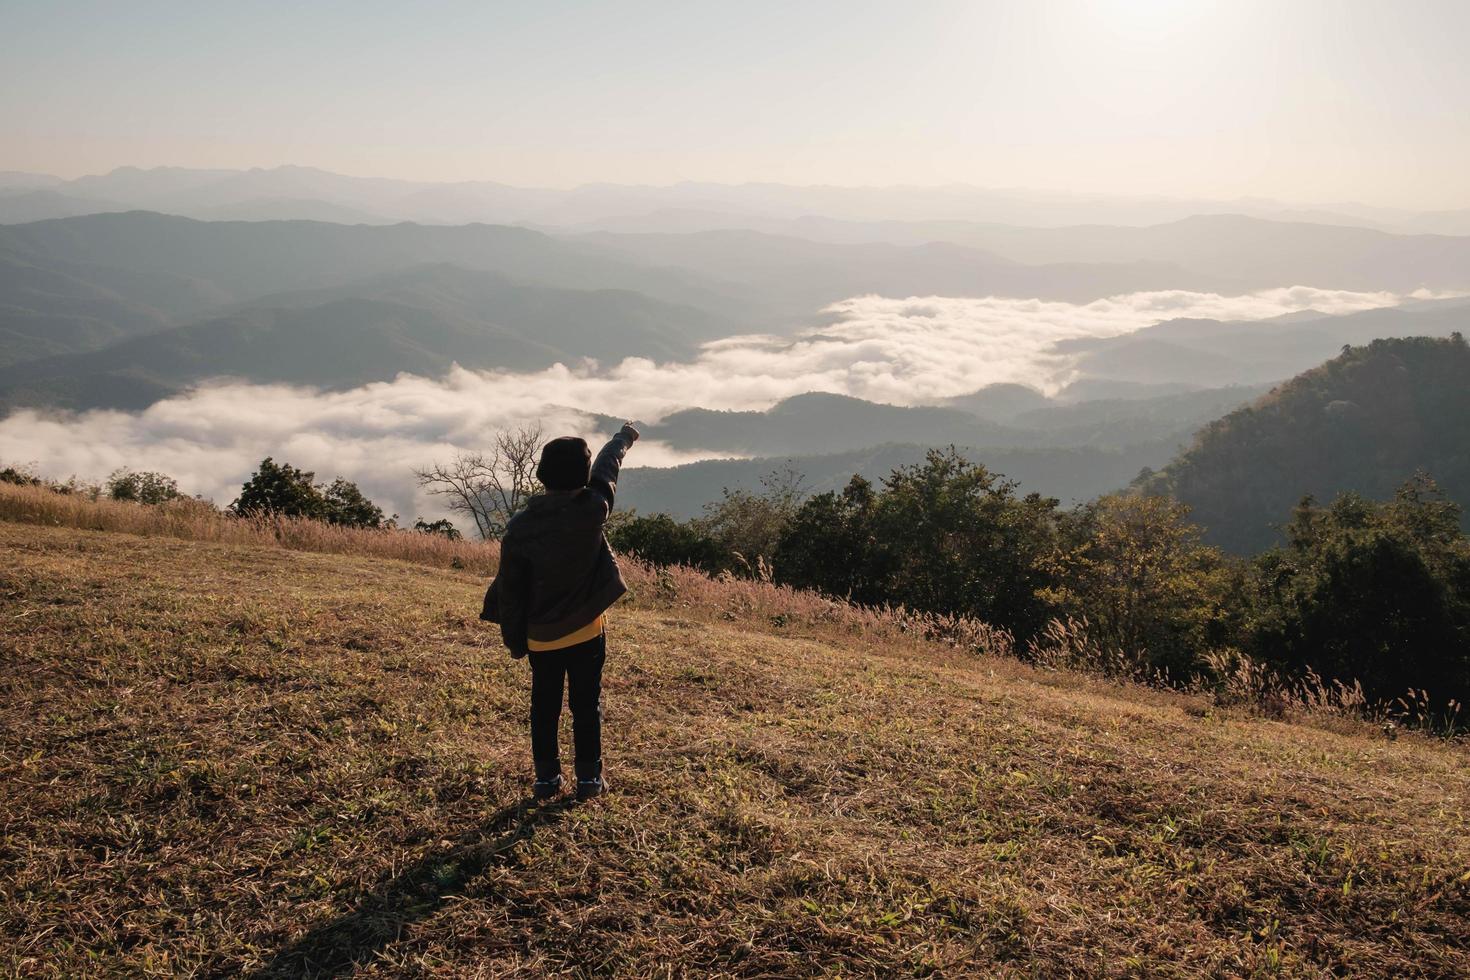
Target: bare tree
(490,486)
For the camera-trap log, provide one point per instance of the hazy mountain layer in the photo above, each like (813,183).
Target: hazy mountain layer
(50,306)
(245,260)
(1211,352)
(820,423)
(894,213)
(418,322)
(801,275)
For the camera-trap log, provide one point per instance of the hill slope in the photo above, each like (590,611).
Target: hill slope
(1214,352)
(420,321)
(244,260)
(1364,421)
(804,275)
(242,760)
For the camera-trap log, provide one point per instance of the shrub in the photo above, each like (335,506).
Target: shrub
(146,487)
(19,475)
(1379,592)
(661,541)
(441,527)
(828,546)
(1134,569)
(747,527)
(282,489)
(343,503)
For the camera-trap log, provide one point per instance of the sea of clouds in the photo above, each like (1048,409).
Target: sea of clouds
(901,351)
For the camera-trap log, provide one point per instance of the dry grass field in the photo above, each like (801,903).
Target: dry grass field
(224,758)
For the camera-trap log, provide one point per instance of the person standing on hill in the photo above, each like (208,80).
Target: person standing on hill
(556,580)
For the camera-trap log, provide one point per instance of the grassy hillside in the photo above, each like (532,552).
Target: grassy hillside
(230,758)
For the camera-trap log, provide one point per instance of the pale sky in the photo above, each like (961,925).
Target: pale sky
(1309,101)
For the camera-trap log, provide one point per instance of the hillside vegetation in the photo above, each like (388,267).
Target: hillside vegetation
(233,758)
(1365,421)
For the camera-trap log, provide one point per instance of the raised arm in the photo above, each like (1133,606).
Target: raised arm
(604,481)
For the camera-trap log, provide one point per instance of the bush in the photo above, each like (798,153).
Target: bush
(1377,592)
(828,546)
(747,527)
(282,489)
(147,487)
(343,503)
(662,541)
(1134,569)
(441,527)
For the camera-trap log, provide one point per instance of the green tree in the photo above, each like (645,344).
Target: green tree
(748,526)
(146,487)
(1134,566)
(661,540)
(1373,592)
(280,488)
(343,503)
(828,545)
(952,537)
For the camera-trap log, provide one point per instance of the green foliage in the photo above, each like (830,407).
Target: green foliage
(343,503)
(1377,592)
(945,536)
(954,538)
(1363,422)
(747,526)
(1135,568)
(146,487)
(442,527)
(661,540)
(828,545)
(280,488)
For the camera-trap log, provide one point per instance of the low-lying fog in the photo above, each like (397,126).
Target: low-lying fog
(903,351)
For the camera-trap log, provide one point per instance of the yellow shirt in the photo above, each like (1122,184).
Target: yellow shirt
(589,632)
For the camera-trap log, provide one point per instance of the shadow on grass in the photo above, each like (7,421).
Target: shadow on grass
(340,946)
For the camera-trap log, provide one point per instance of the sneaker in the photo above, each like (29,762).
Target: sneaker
(590,789)
(546,789)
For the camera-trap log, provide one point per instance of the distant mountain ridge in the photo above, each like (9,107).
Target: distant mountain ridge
(1210,353)
(818,423)
(688,206)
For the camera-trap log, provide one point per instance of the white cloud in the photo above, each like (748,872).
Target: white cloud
(904,351)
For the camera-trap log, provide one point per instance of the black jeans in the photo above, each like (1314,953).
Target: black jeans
(581,665)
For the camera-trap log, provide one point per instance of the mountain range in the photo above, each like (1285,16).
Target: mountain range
(818,212)
(119,310)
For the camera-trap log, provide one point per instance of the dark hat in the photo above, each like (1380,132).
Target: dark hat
(566,464)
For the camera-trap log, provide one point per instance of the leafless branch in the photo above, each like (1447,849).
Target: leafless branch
(490,486)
